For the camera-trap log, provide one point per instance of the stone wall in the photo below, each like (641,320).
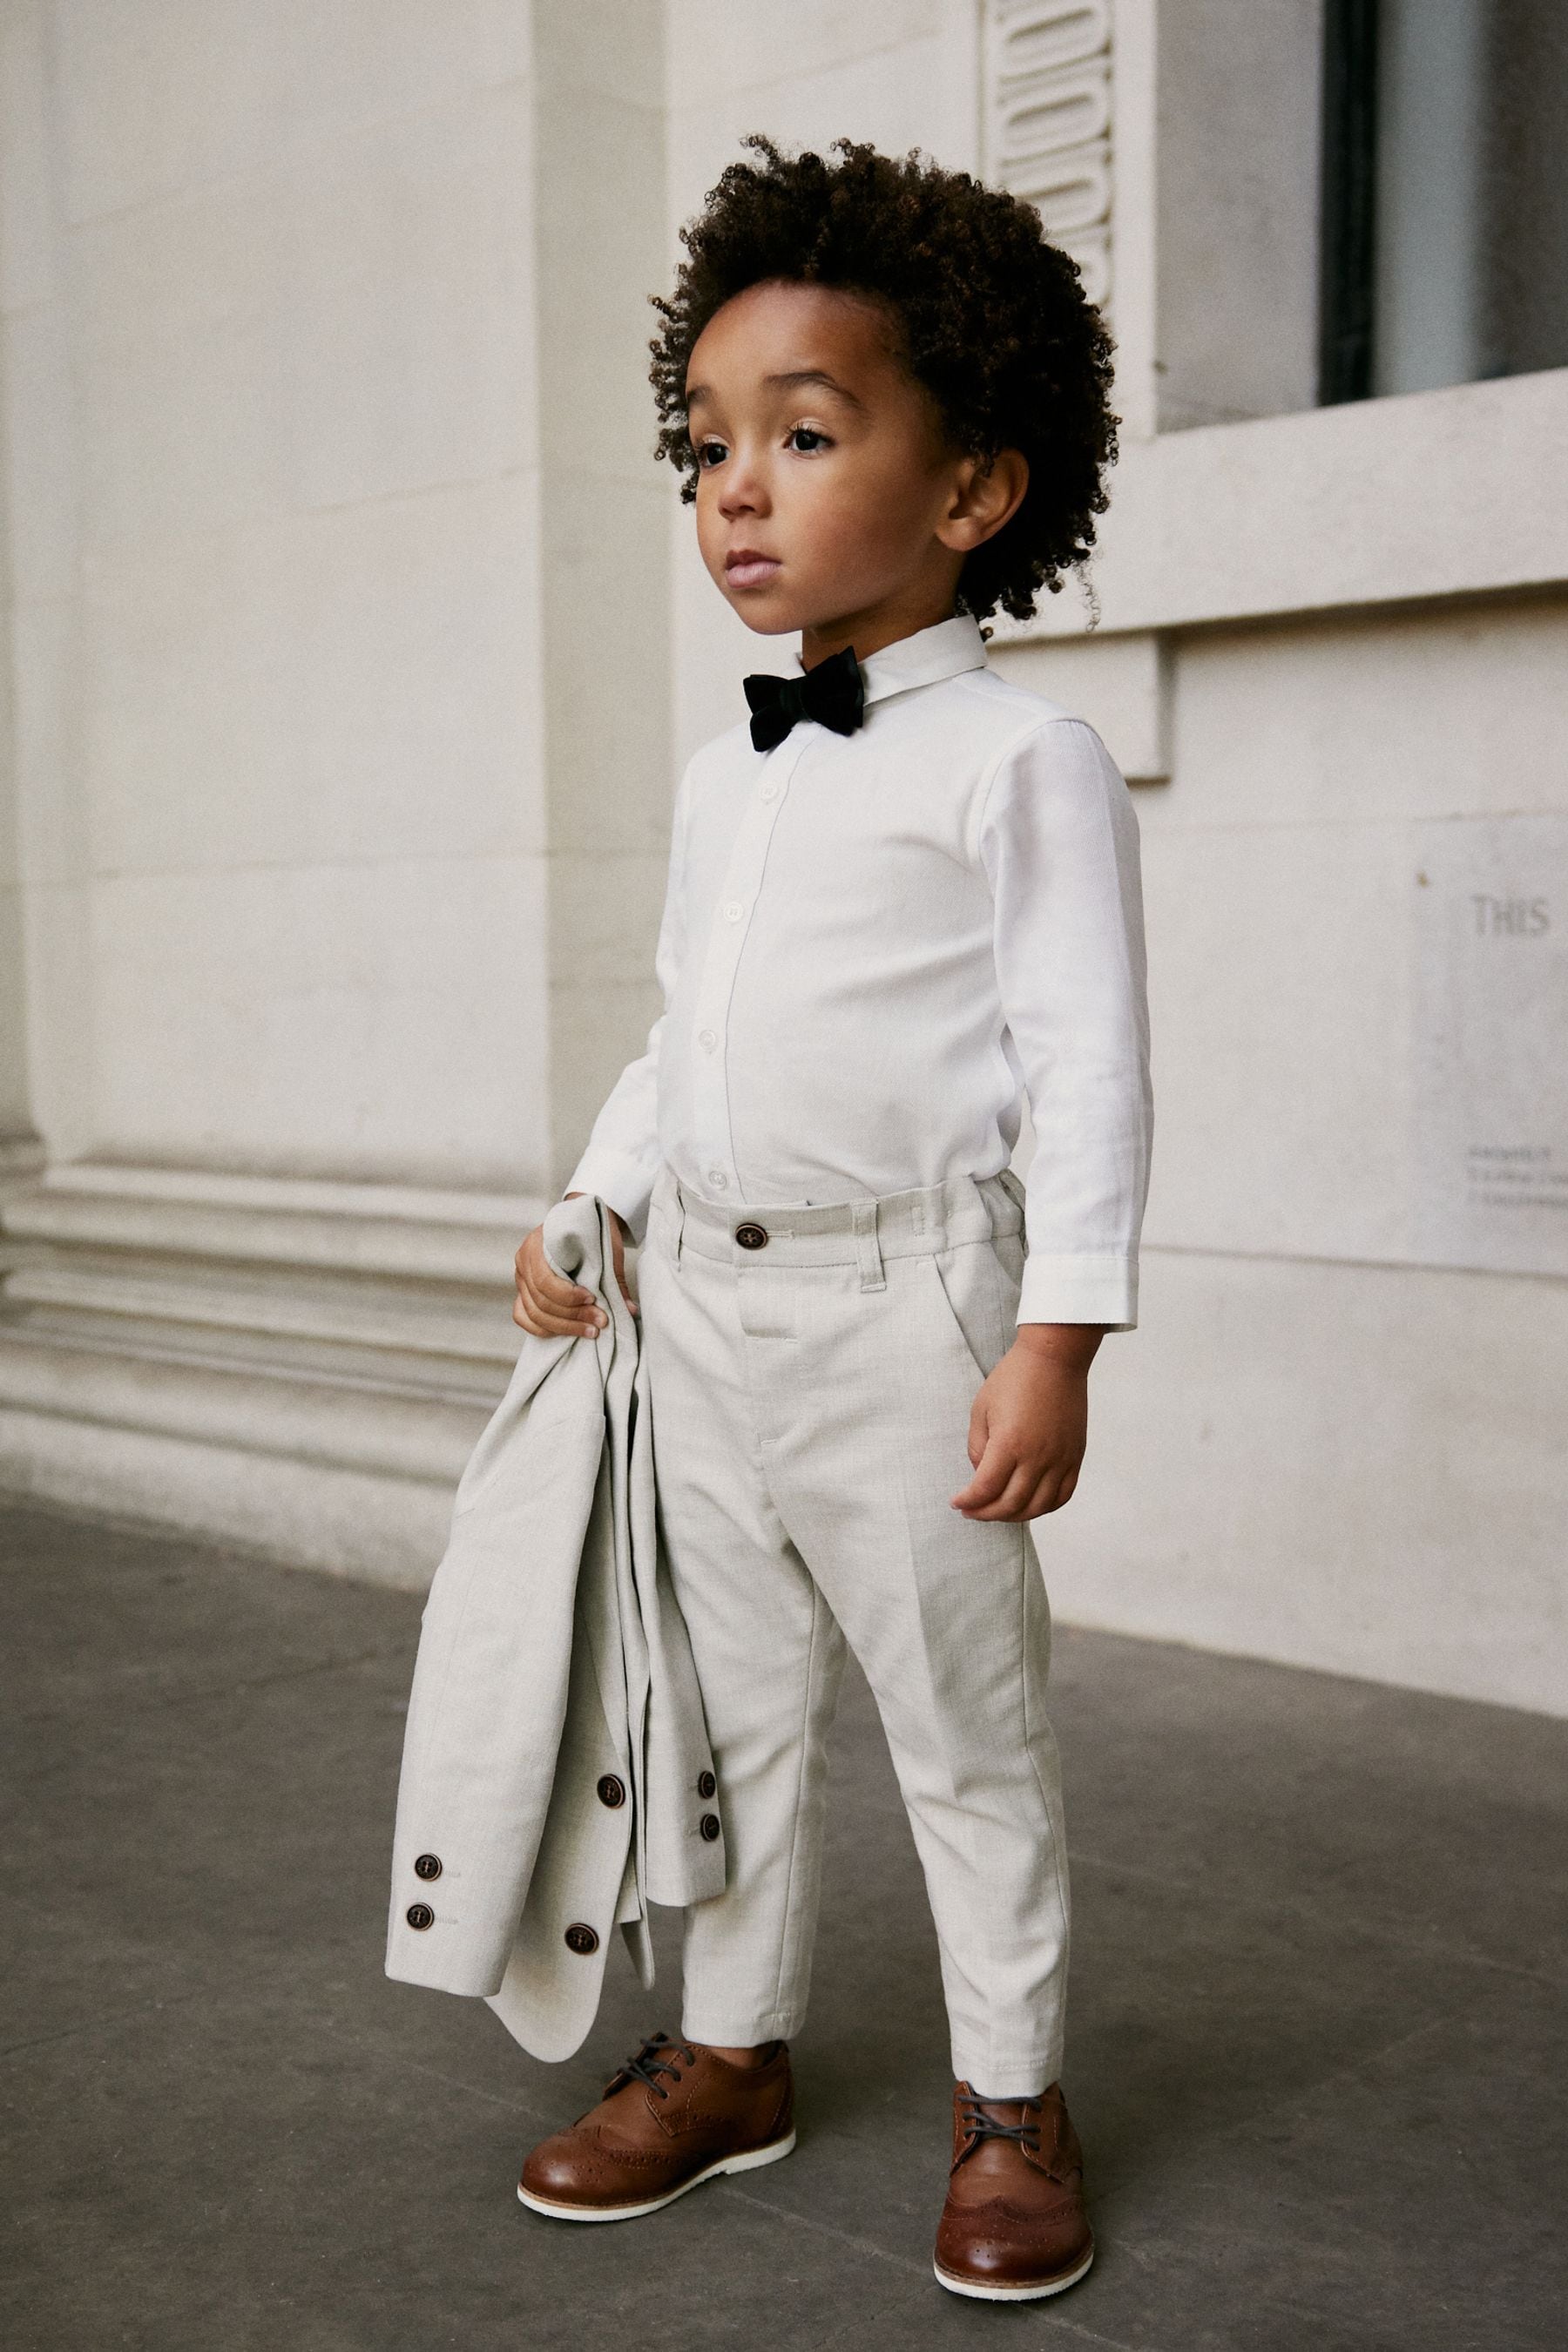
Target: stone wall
(356,641)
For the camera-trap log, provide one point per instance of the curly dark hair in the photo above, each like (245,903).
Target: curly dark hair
(991,319)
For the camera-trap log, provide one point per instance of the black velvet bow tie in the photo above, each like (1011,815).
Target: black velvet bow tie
(832,692)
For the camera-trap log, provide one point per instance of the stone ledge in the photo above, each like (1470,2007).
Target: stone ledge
(312,1515)
(394,1430)
(463,1338)
(1331,509)
(438,1237)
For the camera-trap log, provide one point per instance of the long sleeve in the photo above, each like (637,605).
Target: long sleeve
(1058,841)
(622,1156)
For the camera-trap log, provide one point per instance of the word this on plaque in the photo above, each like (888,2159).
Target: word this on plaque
(1491,1042)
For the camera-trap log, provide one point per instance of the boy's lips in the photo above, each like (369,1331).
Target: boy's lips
(746,569)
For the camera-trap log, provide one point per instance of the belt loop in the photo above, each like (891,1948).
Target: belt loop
(867,1250)
(936,1219)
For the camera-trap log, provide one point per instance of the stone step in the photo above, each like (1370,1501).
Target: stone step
(452,1334)
(301,1365)
(359,1424)
(351,1228)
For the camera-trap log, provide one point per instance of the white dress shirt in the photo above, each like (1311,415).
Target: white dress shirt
(876,946)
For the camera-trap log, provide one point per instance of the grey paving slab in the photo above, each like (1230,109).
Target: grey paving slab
(1417,2194)
(1439,1819)
(1317,2048)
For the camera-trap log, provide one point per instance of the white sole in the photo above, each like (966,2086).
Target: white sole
(747,2163)
(1013,2293)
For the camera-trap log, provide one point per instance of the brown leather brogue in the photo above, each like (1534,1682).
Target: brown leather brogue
(674,2116)
(1014,2226)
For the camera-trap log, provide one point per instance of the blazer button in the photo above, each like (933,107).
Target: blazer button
(707,1786)
(419,1915)
(580,1939)
(427,1866)
(610,1791)
(708,1825)
(751,1236)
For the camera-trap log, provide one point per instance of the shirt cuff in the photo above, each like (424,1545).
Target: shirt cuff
(1087,1289)
(613,1176)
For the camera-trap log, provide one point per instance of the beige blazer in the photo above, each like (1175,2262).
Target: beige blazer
(556,1772)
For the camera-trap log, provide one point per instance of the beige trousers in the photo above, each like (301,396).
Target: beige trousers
(811,1374)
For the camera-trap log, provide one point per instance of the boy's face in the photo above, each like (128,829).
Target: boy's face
(820,456)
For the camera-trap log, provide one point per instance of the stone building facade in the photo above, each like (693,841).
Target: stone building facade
(354,641)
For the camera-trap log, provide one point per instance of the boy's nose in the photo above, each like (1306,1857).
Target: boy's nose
(742,489)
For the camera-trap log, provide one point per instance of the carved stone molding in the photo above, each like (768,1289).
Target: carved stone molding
(1046,76)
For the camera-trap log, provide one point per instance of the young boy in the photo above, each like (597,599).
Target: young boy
(903,897)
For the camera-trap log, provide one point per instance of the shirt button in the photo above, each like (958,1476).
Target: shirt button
(717,1178)
(734,911)
(707,1039)
(770,791)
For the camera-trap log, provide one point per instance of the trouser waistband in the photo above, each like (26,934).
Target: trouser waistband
(922,1221)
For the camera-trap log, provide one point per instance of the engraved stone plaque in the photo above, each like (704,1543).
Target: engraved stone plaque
(1491,1042)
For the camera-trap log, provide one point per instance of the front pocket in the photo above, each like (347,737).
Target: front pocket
(969,1283)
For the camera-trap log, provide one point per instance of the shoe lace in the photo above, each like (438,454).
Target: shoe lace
(659,2056)
(980,2127)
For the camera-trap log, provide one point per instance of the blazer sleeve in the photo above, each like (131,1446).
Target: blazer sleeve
(1058,840)
(622,1156)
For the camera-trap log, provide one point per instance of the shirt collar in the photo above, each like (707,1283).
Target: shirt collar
(928,655)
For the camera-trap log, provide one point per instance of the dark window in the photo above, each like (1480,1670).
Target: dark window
(1444,252)
(1349,207)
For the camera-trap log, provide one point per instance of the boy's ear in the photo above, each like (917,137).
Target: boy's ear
(985,497)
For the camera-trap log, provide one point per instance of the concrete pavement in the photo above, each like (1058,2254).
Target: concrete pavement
(1318,2046)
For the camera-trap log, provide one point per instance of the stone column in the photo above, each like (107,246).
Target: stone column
(342,666)
(29,588)
(605,534)
(21,1148)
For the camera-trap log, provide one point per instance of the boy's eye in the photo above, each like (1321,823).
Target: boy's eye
(807,433)
(706,449)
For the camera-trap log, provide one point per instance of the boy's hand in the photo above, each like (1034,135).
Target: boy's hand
(1030,1423)
(551,1307)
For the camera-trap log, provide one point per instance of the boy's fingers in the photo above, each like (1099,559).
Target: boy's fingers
(1013,1503)
(1005,1488)
(567,1302)
(576,1315)
(563,1309)
(542,1321)
(1059,1491)
(557,1290)
(991,1475)
(554,1327)
(1049,1493)
(1054,1487)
